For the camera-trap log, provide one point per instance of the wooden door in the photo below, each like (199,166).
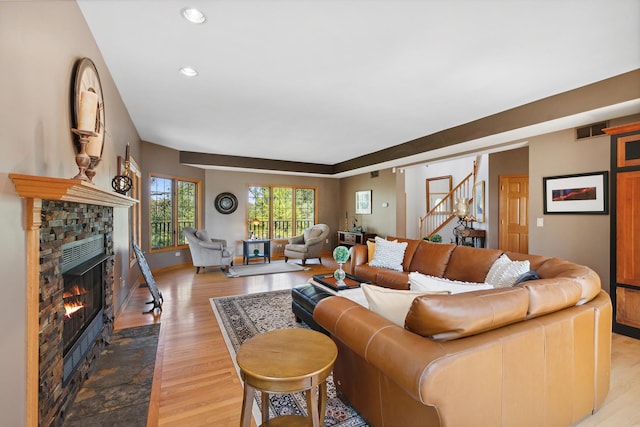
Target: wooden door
(625,228)
(513,230)
(627,291)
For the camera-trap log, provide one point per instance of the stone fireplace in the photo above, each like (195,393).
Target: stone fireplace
(76,288)
(70,260)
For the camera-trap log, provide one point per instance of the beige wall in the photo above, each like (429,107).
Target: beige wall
(41,41)
(580,238)
(382,220)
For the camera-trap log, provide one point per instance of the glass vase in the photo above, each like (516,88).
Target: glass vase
(339,275)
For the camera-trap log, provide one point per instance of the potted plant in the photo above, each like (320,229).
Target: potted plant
(436,238)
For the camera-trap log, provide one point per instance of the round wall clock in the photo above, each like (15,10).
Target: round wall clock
(226,203)
(87,79)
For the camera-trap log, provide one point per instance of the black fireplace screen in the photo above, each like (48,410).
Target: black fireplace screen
(83,298)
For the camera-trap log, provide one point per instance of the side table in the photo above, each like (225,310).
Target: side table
(287,361)
(248,253)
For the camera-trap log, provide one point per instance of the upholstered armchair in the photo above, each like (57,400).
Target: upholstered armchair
(207,252)
(308,245)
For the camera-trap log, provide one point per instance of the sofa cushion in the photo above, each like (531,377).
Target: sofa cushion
(423,282)
(549,295)
(391,304)
(431,258)
(448,317)
(392,279)
(388,254)
(504,272)
(469,264)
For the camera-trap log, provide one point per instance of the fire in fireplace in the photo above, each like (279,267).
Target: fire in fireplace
(83,297)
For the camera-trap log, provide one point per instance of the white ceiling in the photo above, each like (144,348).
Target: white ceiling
(325,81)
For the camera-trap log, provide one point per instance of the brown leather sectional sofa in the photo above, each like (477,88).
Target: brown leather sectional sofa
(549,366)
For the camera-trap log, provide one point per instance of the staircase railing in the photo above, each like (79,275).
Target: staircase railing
(444,211)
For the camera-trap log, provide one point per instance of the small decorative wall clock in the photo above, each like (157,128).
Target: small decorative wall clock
(226,203)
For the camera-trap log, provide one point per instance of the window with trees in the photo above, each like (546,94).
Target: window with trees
(278,212)
(173,206)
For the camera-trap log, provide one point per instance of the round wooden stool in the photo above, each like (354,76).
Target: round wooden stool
(287,361)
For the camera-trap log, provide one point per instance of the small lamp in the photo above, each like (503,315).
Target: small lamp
(462,208)
(255,222)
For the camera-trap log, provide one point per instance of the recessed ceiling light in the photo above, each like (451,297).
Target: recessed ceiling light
(188,71)
(193,15)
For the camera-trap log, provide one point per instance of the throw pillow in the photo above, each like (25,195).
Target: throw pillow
(311,233)
(504,272)
(529,275)
(423,282)
(371,249)
(388,254)
(392,304)
(203,235)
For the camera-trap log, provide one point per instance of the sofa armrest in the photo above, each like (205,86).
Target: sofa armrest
(210,245)
(359,255)
(223,242)
(399,354)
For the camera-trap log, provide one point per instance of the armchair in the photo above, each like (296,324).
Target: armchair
(308,245)
(207,252)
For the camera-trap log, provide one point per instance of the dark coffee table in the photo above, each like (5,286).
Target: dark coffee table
(305,297)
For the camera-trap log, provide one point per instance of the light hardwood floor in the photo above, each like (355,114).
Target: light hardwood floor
(195,382)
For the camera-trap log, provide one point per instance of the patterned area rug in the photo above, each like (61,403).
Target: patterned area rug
(242,317)
(117,392)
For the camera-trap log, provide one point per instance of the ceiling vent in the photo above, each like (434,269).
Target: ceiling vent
(590,131)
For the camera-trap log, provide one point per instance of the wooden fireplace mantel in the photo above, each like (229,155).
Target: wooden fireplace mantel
(70,190)
(35,189)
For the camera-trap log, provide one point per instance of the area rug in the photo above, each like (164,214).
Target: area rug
(242,317)
(265,268)
(117,393)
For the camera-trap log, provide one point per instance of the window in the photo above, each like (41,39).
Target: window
(280,212)
(173,206)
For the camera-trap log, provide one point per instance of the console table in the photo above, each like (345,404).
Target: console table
(470,237)
(248,254)
(350,238)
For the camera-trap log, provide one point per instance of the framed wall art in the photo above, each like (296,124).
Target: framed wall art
(478,201)
(585,193)
(363,202)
